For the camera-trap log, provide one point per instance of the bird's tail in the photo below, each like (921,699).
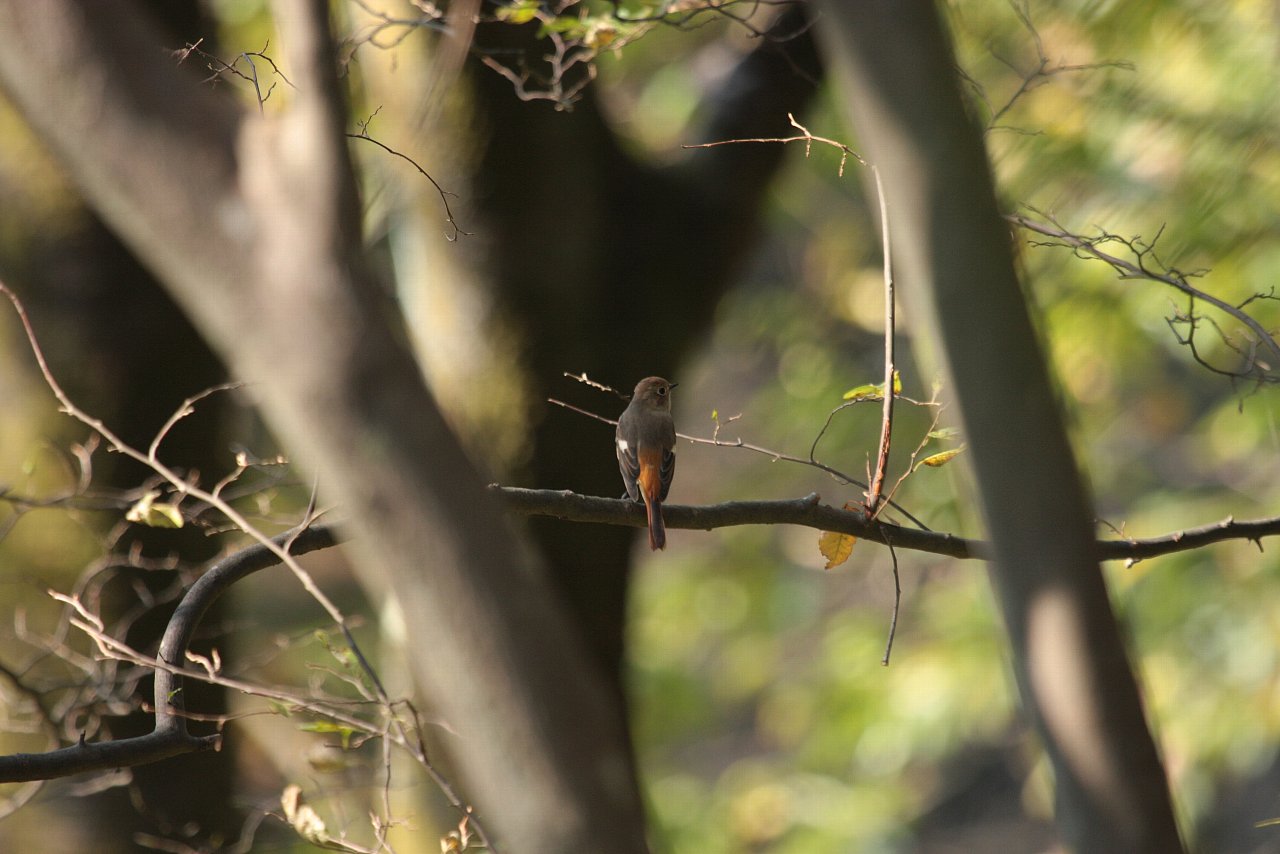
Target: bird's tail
(657,528)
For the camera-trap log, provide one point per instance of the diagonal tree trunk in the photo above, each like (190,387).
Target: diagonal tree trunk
(253,224)
(899,86)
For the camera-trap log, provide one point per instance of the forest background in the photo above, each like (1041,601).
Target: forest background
(762,715)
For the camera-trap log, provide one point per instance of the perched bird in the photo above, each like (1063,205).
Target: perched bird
(646,442)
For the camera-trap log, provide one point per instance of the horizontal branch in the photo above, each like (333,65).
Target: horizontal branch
(807,511)
(811,513)
(103,755)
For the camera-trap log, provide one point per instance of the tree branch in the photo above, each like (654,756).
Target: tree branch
(810,513)
(170,737)
(1089,247)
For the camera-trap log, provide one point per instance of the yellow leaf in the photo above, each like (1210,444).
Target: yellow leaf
(600,35)
(147,512)
(941,458)
(897,384)
(835,547)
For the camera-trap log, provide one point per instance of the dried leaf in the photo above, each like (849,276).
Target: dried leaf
(302,817)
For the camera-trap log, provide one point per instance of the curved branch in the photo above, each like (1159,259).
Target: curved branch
(211,585)
(810,513)
(170,736)
(1088,247)
(103,756)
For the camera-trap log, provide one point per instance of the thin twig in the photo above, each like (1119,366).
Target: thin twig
(897,602)
(805,136)
(890,371)
(180,484)
(1088,247)
(586,380)
(187,408)
(444,194)
(1037,76)
(776,456)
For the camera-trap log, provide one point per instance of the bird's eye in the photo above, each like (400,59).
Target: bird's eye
(662,390)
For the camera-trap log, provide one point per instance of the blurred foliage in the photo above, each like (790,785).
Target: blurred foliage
(763,715)
(766,719)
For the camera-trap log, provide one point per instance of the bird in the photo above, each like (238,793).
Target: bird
(646,442)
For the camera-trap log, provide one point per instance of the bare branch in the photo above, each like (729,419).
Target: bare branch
(1042,72)
(897,604)
(1090,247)
(586,380)
(810,513)
(776,456)
(890,371)
(170,736)
(444,194)
(807,138)
(180,484)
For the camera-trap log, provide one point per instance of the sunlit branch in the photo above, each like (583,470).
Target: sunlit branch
(444,194)
(890,370)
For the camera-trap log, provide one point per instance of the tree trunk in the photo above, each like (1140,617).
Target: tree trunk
(898,84)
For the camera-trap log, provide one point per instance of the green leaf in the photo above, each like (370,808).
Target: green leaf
(874,391)
(871,391)
(568,25)
(945,433)
(520,12)
(330,727)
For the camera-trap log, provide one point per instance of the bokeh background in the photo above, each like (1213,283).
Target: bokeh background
(763,717)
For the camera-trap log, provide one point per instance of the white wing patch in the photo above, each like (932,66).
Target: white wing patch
(622,445)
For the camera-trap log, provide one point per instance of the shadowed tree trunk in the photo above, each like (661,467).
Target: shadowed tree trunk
(616,265)
(276,279)
(953,255)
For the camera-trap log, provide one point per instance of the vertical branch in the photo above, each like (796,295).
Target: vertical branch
(897,602)
(886,420)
